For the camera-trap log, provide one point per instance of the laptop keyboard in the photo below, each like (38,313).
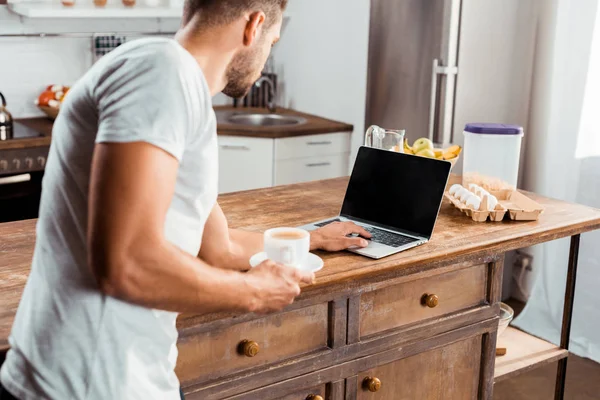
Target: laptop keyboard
(379,235)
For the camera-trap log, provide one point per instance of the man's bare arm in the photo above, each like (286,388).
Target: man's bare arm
(130,192)
(228,248)
(232,248)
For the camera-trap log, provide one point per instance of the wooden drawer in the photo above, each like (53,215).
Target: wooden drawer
(450,372)
(306,394)
(280,337)
(402,304)
(313,145)
(279,392)
(244,163)
(311,169)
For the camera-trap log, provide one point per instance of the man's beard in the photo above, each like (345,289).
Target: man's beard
(240,72)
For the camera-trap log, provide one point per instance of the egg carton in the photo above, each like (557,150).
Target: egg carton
(516,205)
(496,215)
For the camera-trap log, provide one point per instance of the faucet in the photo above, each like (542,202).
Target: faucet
(271,102)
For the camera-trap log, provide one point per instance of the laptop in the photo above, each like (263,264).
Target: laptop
(394,196)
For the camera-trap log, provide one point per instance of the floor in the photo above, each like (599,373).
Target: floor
(583,379)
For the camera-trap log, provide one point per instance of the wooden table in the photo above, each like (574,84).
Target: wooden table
(367,329)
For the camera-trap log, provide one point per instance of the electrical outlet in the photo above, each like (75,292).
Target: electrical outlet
(524,260)
(521,275)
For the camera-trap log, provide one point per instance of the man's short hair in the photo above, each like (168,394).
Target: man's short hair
(222,12)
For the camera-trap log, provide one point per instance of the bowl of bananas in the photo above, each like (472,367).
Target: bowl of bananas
(424,147)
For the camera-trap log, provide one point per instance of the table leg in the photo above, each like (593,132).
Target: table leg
(565,334)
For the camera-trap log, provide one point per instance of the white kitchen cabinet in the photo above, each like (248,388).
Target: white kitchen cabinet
(312,145)
(247,163)
(311,168)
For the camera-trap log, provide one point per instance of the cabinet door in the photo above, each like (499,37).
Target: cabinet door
(450,372)
(245,163)
(312,145)
(311,169)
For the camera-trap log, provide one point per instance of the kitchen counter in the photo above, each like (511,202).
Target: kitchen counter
(42,125)
(313,126)
(362,319)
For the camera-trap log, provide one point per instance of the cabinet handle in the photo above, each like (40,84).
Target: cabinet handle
(430,300)
(321,164)
(324,142)
(249,348)
(314,397)
(236,147)
(372,384)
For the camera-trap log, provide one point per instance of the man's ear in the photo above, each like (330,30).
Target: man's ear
(253,26)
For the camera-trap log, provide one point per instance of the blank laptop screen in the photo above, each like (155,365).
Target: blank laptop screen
(396,190)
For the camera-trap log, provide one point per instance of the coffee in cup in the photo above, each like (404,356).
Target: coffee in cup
(288,246)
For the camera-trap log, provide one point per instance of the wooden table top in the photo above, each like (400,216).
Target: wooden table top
(456,238)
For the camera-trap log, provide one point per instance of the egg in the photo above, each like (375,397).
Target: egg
(463,194)
(460,191)
(492,201)
(474,202)
(454,188)
(481,192)
(473,187)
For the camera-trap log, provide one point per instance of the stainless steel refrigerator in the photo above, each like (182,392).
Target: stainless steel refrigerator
(435,65)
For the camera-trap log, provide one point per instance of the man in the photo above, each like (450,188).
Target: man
(129,232)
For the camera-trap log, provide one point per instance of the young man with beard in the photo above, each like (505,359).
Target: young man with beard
(129,232)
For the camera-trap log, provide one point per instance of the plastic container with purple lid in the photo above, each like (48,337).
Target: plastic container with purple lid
(491,155)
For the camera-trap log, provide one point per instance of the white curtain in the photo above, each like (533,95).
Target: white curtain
(563,161)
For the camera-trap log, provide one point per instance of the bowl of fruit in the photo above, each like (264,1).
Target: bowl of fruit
(424,147)
(50,100)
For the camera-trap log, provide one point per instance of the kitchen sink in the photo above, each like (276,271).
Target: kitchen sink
(265,120)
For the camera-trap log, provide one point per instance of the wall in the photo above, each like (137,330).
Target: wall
(29,64)
(561,81)
(322,60)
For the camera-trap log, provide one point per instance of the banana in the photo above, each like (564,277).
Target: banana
(438,153)
(449,156)
(456,149)
(407,148)
(451,152)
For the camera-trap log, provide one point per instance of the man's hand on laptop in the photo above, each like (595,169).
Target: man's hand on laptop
(339,236)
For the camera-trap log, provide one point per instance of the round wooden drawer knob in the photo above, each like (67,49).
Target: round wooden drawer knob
(372,384)
(431,300)
(314,397)
(249,348)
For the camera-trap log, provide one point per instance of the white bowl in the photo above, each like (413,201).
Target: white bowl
(506,315)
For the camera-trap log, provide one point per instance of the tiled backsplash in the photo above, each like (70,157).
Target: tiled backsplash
(29,64)
(35,63)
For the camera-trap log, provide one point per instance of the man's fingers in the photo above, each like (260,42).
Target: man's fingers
(308,278)
(305,277)
(355,241)
(351,227)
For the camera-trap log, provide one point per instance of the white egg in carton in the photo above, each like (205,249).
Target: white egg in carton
(479,204)
(476,202)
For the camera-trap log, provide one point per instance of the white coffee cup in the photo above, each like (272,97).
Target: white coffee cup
(288,246)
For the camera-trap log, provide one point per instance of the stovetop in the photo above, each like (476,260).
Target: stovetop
(21,131)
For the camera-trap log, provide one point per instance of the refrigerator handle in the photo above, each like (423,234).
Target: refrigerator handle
(435,71)
(434,81)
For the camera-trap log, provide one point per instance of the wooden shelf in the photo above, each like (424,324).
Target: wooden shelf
(524,352)
(54,9)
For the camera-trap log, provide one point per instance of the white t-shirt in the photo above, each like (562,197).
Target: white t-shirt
(69,341)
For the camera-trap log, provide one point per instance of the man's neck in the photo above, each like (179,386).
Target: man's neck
(211,50)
